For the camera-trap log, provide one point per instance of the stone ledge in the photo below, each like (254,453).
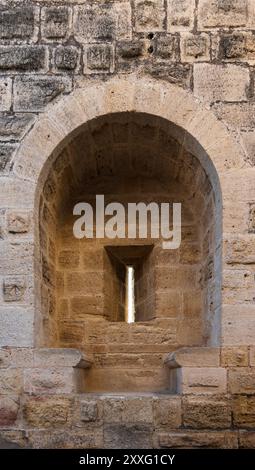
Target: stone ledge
(193,357)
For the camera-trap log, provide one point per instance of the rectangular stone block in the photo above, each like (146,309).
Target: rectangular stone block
(89,410)
(235,357)
(201,380)
(6,153)
(196,439)
(11,381)
(195,48)
(204,413)
(35,92)
(221,83)
(222,13)
(138,410)
(247,440)
(149,16)
(14,288)
(194,357)
(244,411)
(5,93)
(47,412)
(168,412)
(240,250)
(127,436)
(237,47)
(237,116)
(57,357)
(67,439)
(84,283)
(49,381)
(180,15)
(56,22)
(17,23)
(16,327)
(19,221)
(67,57)
(238,325)
(242,380)
(23,58)
(16,258)
(98,58)
(103,22)
(14,127)
(8,411)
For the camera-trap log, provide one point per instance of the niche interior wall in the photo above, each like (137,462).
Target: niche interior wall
(139,101)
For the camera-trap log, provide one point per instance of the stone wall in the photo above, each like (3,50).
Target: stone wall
(64,63)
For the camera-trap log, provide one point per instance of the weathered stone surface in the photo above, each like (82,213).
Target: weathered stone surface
(252,356)
(66,57)
(244,411)
(178,74)
(180,15)
(57,380)
(89,410)
(105,23)
(217,82)
(23,58)
(18,222)
(242,380)
(14,288)
(57,357)
(16,327)
(168,412)
(56,22)
(149,15)
(195,47)
(77,439)
(6,152)
(238,325)
(218,13)
(252,218)
(47,412)
(240,250)
(127,436)
(5,93)
(194,357)
(4,358)
(167,48)
(17,23)
(34,93)
(203,413)
(130,49)
(235,357)
(16,258)
(202,380)
(195,439)
(8,411)
(13,127)
(138,410)
(11,381)
(98,58)
(238,46)
(247,440)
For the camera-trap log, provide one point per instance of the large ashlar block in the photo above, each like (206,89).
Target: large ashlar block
(242,380)
(45,412)
(247,440)
(238,325)
(235,356)
(194,357)
(195,439)
(149,16)
(49,381)
(16,327)
(218,82)
(240,250)
(8,411)
(198,380)
(168,412)
(60,357)
(203,413)
(5,93)
(244,411)
(11,381)
(220,13)
(180,15)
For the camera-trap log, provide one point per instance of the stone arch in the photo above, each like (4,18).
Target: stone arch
(201,134)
